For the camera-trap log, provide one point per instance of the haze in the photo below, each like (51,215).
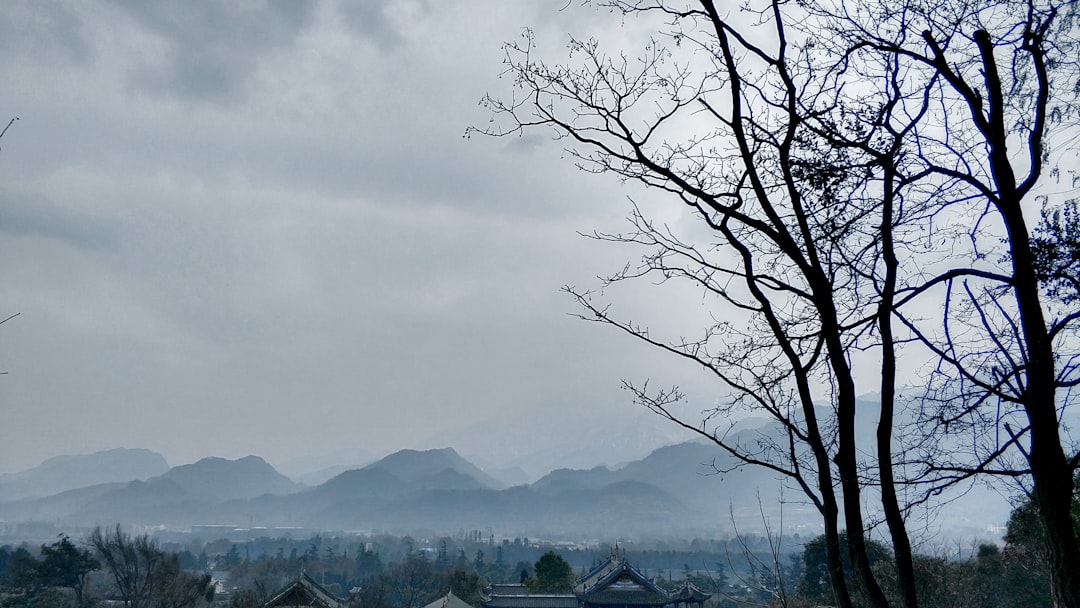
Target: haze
(259,230)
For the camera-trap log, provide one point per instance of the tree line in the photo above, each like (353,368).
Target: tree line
(137,572)
(398,572)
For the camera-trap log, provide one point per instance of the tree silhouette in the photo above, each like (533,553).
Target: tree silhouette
(863,175)
(65,565)
(145,575)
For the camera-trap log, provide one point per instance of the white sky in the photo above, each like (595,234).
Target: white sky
(259,230)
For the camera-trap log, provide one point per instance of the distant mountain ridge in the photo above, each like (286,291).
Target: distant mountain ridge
(223,479)
(410,489)
(417,465)
(536,444)
(70,472)
(691,488)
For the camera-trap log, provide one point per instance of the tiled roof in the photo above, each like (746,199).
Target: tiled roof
(509,589)
(689,593)
(531,601)
(598,573)
(304,592)
(449,601)
(617,582)
(613,582)
(632,597)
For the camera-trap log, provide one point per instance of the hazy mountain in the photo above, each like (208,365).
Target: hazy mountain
(58,507)
(509,476)
(417,466)
(572,480)
(191,493)
(407,472)
(682,489)
(142,501)
(687,473)
(440,490)
(358,485)
(187,493)
(314,469)
(64,473)
(622,509)
(536,443)
(219,479)
(314,478)
(407,490)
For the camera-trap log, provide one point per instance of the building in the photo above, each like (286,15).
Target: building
(304,591)
(614,583)
(517,596)
(449,601)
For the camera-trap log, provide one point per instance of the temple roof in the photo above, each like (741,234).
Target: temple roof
(508,589)
(616,582)
(449,601)
(690,593)
(304,591)
(553,600)
(613,582)
(506,595)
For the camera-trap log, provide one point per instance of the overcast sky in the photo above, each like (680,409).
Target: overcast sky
(255,227)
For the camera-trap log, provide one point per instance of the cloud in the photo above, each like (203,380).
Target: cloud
(217,215)
(30,215)
(51,32)
(376,20)
(209,50)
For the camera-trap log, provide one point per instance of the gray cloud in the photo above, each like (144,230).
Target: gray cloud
(211,49)
(34,216)
(256,228)
(371,20)
(46,31)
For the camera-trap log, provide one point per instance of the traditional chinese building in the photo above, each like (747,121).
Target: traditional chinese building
(689,596)
(613,583)
(304,591)
(449,601)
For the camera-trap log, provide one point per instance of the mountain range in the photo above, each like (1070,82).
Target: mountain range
(68,472)
(690,488)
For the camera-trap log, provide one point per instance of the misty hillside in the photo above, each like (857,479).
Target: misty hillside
(432,489)
(63,473)
(416,466)
(687,473)
(537,443)
(321,476)
(221,479)
(58,507)
(190,491)
(358,485)
(689,488)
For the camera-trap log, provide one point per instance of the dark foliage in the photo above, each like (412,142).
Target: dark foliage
(551,575)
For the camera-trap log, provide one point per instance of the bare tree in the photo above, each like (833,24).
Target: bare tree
(145,575)
(835,149)
(132,562)
(1001,82)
